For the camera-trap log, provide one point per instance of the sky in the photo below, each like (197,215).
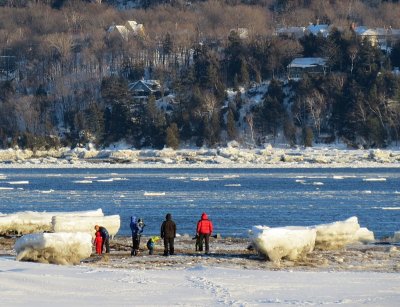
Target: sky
(35,284)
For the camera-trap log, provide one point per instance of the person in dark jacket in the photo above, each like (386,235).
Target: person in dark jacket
(168,233)
(105,236)
(137,229)
(204,231)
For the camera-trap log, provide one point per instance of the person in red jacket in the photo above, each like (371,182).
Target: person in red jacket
(98,242)
(204,231)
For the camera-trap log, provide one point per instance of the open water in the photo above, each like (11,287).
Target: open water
(234,199)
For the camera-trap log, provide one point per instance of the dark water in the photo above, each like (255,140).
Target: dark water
(235,199)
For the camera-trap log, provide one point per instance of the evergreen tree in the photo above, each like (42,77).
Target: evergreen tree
(231,125)
(116,97)
(172,140)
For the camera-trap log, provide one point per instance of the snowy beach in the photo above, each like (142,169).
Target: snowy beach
(232,275)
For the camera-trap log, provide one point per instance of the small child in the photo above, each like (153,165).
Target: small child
(151,243)
(98,242)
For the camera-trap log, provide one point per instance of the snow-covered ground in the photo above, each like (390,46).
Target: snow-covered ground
(231,275)
(231,156)
(34,284)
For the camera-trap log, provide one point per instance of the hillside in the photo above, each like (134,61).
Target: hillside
(219,71)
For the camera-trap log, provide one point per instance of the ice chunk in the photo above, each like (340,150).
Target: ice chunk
(336,235)
(86,223)
(25,222)
(57,248)
(364,235)
(283,242)
(396,237)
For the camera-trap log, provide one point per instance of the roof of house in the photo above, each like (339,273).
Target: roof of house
(134,26)
(149,85)
(318,29)
(307,62)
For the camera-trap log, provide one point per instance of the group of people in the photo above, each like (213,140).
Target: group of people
(204,230)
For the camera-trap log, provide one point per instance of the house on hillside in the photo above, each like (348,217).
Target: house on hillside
(317,29)
(368,34)
(141,90)
(291,32)
(300,66)
(134,27)
(131,28)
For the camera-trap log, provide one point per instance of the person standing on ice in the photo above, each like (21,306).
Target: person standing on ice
(137,229)
(105,236)
(168,233)
(98,243)
(204,231)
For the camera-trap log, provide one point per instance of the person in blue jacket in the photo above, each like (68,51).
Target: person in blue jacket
(137,229)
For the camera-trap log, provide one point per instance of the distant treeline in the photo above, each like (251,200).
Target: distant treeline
(64,75)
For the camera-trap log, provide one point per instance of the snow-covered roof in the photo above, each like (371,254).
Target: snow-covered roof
(134,26)
(363,30)
(307,62)
(319,29)
(150,85)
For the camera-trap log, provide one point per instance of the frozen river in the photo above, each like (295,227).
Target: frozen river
(235,199)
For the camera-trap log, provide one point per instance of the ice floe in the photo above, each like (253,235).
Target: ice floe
(283,242)
(25,222)
(56,248)
(294,242)
(62,223)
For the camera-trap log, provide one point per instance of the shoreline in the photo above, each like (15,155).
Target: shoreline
(219,158)
(233,253)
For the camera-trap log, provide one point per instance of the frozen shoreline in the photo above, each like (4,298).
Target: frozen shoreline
(227,157)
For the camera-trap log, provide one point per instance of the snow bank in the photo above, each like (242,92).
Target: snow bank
(25,222)
(336,235)
(86,223)
(283,242)
(56,248)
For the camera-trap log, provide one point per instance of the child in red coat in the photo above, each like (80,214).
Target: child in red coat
(98,241)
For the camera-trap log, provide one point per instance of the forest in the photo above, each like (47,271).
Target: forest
(65,76)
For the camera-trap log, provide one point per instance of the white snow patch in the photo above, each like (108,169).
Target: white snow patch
(56,248)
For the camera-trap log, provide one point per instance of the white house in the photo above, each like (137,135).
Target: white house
(131,27)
